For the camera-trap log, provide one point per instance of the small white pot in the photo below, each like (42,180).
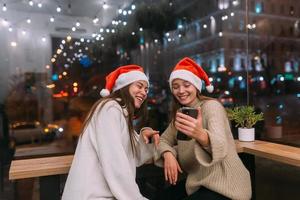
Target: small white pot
(246,134)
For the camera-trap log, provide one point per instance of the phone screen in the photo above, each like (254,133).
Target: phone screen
(193,112)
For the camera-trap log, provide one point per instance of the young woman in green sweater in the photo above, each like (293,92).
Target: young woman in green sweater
(207,153)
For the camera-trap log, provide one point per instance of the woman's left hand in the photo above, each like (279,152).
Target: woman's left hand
(149,133)
(192,127)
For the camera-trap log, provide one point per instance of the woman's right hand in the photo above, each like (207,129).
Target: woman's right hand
(171,168)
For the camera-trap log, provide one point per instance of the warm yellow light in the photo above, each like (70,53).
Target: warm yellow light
(65,73)
(58,51)
(53,60)
(75,89)
(47,66)
(75,84)
(46,130)
(50,86)
(69,38)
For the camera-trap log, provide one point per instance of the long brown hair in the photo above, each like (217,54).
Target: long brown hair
(176,105)
(125,100)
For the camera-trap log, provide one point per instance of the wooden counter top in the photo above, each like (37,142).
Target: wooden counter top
(37,167)
(278,152)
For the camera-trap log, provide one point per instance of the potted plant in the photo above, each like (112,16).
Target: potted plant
(245,118)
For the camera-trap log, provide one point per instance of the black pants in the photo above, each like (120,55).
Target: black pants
(178,192)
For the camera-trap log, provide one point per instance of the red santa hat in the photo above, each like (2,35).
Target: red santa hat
(122,77)
(190,71)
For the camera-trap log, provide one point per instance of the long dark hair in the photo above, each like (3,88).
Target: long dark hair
(176,105)
(125,100)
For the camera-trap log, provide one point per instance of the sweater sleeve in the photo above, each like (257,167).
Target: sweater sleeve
(145,152)
(167,142)
(116,164)
(216,126)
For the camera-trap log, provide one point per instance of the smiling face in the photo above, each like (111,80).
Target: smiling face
(138,91)
(184,92)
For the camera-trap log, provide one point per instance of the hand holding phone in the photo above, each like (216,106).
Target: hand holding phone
(193,112)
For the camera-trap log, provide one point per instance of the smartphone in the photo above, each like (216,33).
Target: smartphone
(193,112)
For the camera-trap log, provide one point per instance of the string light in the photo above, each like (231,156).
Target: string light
(69,38)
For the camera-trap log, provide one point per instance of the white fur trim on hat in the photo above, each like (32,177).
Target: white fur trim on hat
(104,92)
(128,78)
(187,76)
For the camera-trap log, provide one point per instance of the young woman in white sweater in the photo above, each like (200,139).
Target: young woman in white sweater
(206,151)
(109,149)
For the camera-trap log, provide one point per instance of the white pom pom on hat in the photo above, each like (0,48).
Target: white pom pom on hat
(104,92)
(121,77)
(190,71)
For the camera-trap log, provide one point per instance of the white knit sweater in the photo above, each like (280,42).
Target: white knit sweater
(217,168)
(104,166)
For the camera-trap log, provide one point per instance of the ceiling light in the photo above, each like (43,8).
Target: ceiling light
(77,23)
(43,39)
(13,44)
(132,6)
(4,8)
(105,6)
(24,32)
(10,29)
(58,9)
(73,28)
(40,5)
(51,19)
(30,3)
(95,20)
(5,22)
(28,21)
(120,11)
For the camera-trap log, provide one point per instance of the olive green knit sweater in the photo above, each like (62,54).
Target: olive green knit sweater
(217,168)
